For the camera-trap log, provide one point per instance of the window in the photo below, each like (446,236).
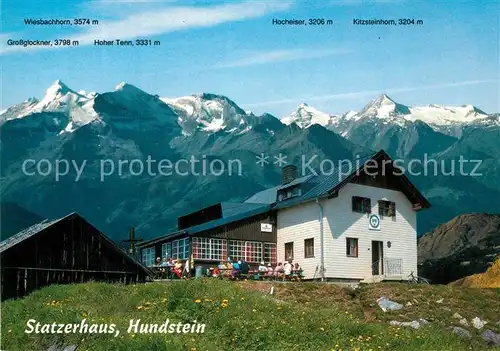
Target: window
(249,251)
(180,249)
(219,249)
(209,249)
(148,256)
(166,250)
(288,193)
(270,253)
(387,208)
(236,250)
(309,248)
(253,251)
(352,247)
(289,251)
(361,204)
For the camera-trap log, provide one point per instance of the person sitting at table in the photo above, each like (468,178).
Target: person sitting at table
(236,268)
(158,262)
(177,270)
(228,271)
(296,271)
(278,270)
(222,265)
(288,268)
(297,268)
(170,262)
(244,267)
(269,271)
(262,267)
(163,266)
(216,272)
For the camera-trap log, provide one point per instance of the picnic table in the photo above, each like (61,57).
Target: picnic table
(163,272)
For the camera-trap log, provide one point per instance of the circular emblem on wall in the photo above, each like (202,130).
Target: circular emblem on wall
(374,222)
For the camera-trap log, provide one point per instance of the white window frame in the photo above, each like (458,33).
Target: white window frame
(268,253)
(180,249)
(166,250)
(210,249)
(148,256)
(352,250)
(237,250)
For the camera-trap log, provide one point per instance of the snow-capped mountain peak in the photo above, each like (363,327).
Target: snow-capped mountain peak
(447,115)
(305,116)
(210,113)
(58,87)
(127,88)
(384,107)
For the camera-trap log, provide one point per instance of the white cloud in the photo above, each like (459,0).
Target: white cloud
(178,18)
(259,58)
(170,19)
(362,2)
(368,93)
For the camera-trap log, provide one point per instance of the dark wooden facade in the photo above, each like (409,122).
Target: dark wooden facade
(69,250)
(246,229)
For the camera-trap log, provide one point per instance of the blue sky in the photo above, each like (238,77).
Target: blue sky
(232,48)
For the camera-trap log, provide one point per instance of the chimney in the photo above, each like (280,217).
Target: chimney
(288,174)
(132,240)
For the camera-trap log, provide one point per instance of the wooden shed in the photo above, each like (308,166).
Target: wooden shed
(65,250)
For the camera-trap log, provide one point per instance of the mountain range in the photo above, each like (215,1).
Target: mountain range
(128,123)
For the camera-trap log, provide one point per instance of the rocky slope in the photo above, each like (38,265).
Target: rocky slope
(466,245)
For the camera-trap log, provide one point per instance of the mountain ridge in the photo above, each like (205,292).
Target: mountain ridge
(129,123)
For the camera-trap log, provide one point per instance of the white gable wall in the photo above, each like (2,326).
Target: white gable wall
(297,224)
(340,222)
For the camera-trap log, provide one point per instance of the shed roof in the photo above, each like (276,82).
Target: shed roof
(43,225)
(28,232)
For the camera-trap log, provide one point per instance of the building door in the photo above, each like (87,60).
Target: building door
(377,257)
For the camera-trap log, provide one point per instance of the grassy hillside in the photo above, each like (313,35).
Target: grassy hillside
(244,316)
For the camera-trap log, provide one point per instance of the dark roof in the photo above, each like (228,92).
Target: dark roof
(267,196)
(323,185)
(161,238)
(28,232)
(230,209)
(40,227)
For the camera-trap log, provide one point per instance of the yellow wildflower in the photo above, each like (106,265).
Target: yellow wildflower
(140,307)
(197,300)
